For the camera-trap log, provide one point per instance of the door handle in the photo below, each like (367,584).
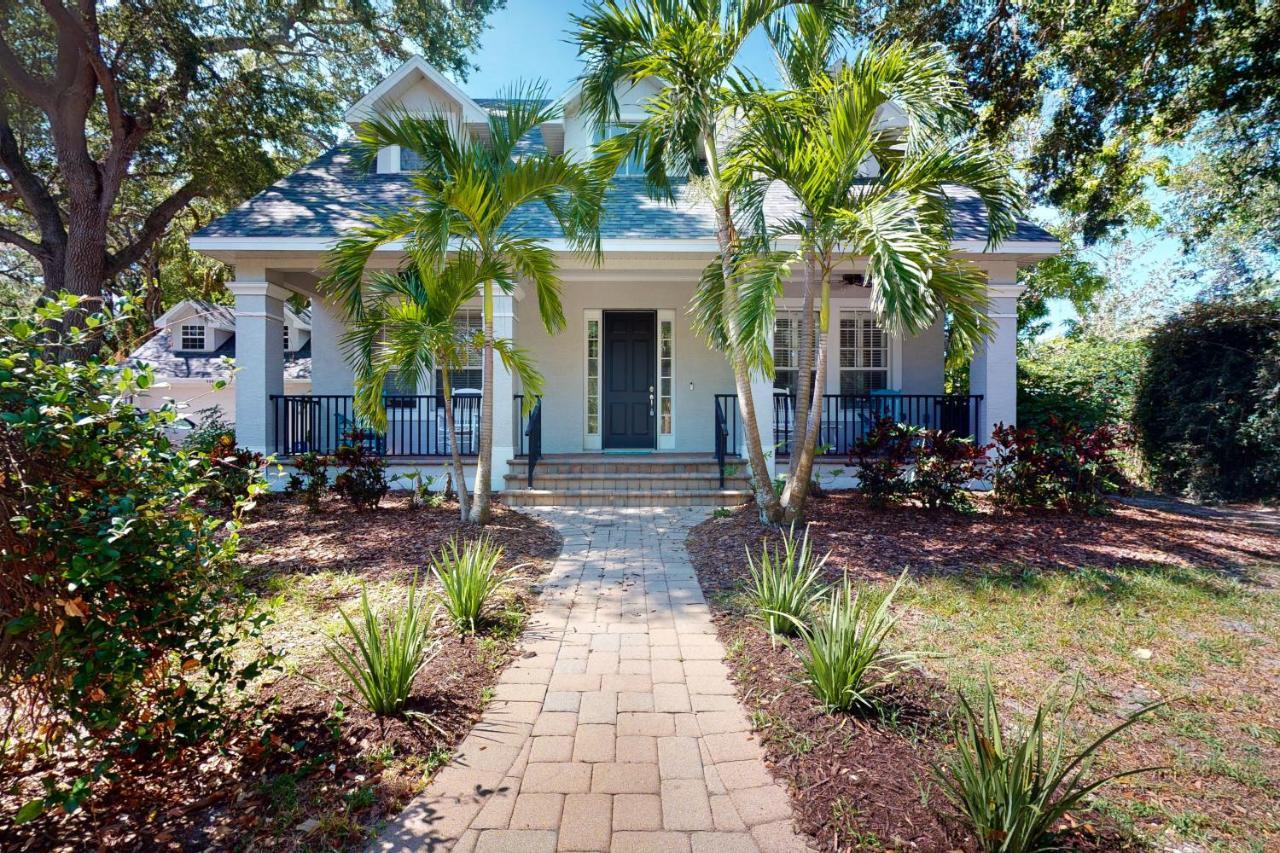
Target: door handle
(650,401)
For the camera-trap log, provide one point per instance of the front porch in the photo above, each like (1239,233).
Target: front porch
(627,372)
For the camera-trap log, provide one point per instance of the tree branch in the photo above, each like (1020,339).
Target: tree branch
(32,190)
(31,247)
(32,88)
(152,228)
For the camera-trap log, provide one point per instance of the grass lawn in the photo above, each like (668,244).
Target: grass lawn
(1142,606)
(303,767)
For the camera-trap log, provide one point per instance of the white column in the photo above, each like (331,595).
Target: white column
(504,411)
(259,357)
(331,371)
(762,397)
(994,370)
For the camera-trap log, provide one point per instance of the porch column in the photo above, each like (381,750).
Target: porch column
(259,357)
(504,423)
(994,370)
(762,396)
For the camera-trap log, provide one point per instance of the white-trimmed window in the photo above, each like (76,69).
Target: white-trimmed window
(192,337)
(633,165)
(593,374)
(666,372)
(468,323)
(786,350)
(864,354)
(285,329)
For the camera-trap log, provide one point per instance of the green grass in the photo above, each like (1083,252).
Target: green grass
(1211,643)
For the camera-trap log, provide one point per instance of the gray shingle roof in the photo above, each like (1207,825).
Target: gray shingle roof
(330,196)
(167,364)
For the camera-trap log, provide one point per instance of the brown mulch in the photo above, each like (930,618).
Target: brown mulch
(871,543)
(296,770)
(862,781)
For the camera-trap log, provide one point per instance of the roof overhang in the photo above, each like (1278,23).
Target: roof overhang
(1025,252)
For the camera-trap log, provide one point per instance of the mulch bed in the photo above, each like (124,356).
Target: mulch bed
(292,773)
(862,781)
(875,544)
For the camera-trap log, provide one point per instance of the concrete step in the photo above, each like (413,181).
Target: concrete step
(626,481)
(622,497)
(595,463)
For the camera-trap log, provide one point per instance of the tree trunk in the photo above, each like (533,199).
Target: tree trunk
(766,499)
(797,491)
(454,451)
(804,375)
(480,509)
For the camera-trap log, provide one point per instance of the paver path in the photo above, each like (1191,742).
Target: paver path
(618,728)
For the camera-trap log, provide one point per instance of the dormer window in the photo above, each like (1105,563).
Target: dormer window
(192,337)
(633,165)
(410,160)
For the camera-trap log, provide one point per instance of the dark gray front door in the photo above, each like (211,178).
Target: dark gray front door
(630,354)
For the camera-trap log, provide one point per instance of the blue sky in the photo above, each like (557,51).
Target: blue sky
(530,40)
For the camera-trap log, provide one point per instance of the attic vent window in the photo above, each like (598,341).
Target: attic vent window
(192,337)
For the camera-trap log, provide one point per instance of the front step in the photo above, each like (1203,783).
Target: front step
(597,479)
(626,481)
(623,497)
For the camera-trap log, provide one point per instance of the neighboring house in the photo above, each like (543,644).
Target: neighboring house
(628,372)
(194,346)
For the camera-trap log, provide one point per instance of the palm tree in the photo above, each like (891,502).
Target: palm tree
(867,186)
(690,49)
(462,205)
(409,328)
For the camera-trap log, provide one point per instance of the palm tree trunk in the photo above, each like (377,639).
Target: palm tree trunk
(480,509)
(459,473)
(804,383)
(766,499)
(797,491)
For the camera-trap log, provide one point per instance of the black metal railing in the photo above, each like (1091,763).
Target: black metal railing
(722,432)
(415,425)
(847,418)
(533,432)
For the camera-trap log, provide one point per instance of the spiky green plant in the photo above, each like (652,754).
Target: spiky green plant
(842,649)
(784,586)
(388,654)
(1015,787)
(468,577)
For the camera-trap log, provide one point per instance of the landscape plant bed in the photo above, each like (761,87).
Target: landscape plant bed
(301,767)
(1143,605)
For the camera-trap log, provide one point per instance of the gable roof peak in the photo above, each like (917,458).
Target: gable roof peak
(415,67)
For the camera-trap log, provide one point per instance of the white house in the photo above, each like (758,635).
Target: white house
(628,373)
(193,350)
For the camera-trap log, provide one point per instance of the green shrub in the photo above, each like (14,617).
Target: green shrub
(311,479)
(469,577)
(231,471)
(1015,787)
(943,464)
(123,603)
(1058,466)
(1088,381)
(880,458)
(1206,405)
(211,426)
(364,482)
(388,654)
(784,586)
(842,649)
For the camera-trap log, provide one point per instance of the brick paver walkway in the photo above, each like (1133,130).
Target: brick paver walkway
(618,729)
